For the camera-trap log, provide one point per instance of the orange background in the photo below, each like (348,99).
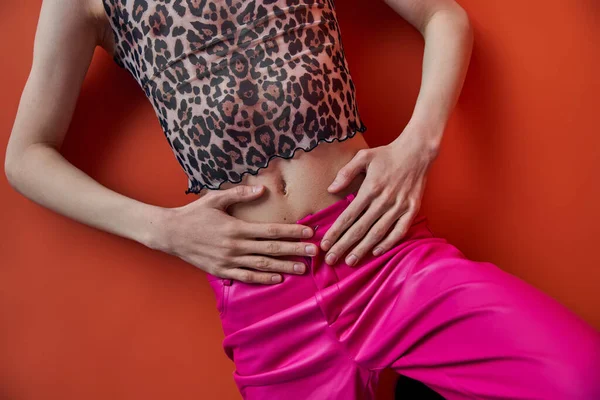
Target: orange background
(88,315)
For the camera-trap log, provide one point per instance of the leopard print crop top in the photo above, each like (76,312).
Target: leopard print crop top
(235,83)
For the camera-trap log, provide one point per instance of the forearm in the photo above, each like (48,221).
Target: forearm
(448,43)
(43,175)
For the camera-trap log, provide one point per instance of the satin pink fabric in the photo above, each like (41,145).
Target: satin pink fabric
(465,328)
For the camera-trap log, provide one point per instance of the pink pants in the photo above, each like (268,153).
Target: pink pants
(466,329)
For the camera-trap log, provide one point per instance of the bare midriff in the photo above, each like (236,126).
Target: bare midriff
(297,186)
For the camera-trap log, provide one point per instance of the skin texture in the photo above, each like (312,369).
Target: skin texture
(251,227)
(396,174)
(36,169)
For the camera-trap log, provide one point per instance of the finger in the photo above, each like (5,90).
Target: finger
(273,230)
(378,232)
(224,198)
(357,231)
(269,264)
(345,219)
(349,171)
(249,276)
(277,248)
(401,227)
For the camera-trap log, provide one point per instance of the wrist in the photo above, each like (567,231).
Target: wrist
(427,137)
(155,232)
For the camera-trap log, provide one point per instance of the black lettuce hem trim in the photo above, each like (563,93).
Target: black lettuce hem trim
(196,189)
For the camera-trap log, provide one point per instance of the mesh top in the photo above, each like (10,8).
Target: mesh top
(237,83)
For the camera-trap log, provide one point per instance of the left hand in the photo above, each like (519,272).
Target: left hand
(390,196)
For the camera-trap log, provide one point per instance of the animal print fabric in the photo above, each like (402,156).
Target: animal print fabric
(235,83)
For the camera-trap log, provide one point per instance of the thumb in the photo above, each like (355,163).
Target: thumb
(236,194)
(346,174)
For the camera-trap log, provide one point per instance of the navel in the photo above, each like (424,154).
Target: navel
(283,186)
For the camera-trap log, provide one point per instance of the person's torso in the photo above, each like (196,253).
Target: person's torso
(246,91)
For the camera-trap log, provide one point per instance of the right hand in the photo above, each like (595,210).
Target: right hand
(206,236)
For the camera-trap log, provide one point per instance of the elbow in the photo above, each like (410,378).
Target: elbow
(463,22)
(14,166)
(11,171)
(455,17)
(20,164)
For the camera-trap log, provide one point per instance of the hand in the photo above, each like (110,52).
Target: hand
(390,196)
(205,235)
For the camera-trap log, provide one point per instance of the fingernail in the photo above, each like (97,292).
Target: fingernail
(255,189)
(276,278)
(311,250)
(325,244)
(331,258)
(307,232)
(351,260)
(377,251)
(299,268)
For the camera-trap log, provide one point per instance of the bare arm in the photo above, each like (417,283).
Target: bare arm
(448,38)
(396,174)
(61,57)
(67,34)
